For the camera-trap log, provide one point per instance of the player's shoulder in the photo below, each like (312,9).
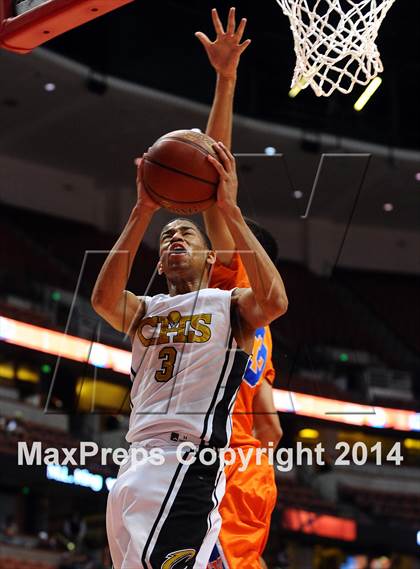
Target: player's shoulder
(140,313)
(218,291)
(152,303)
(214,293)
(217,297)
(144,300)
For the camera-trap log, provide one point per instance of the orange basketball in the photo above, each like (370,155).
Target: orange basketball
(177,173)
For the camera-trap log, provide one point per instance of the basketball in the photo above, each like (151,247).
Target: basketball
(177,173)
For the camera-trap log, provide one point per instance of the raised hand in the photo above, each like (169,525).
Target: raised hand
(224,53)
(143,198)
(227,191)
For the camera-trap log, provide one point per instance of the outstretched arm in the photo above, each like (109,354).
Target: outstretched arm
(224,55)
(266,300)
(110,299)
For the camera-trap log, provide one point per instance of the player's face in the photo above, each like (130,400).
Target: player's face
(182,248)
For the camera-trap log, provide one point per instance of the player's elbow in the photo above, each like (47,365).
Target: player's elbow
(277,434)
(98,301)
(270,433)
(282,305)
(95,300)
(276,307)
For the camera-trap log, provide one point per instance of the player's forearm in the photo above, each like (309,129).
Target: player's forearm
(115,272)
(269,434)
(219,127)
(265,280)
(267,426)
(219,234)
(219,124)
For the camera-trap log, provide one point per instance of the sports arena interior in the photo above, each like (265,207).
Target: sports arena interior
(338,189)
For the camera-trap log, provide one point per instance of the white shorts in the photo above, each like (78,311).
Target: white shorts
(164,516)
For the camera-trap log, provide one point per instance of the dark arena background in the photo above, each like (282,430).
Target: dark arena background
(338,189)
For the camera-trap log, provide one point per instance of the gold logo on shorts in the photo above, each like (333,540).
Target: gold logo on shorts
(175,557)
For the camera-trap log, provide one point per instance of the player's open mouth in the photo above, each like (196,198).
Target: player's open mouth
(178,250)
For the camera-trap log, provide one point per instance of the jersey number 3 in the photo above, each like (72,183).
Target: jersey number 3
(168,357)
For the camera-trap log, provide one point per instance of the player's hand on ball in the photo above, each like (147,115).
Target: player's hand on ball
(227,190)
(143,198)
(224,53)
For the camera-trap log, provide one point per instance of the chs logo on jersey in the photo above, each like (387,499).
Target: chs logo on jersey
(174,328)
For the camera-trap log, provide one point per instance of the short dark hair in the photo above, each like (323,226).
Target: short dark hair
(265,238)
(200,230)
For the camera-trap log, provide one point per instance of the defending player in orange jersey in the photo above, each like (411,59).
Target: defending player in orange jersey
(250,495)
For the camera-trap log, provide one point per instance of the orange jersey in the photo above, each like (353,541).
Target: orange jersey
(260,367)
(246,511)
(251,494)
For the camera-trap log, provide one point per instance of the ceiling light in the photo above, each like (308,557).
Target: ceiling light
(388,206)
(412,444)
(297,194)
(49,87)
(270,151)
(367,93)
(417,176)
(308,434)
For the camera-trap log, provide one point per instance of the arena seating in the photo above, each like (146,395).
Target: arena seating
(61,238)
(394,506)
(320,388)
(25,315)
(291,493)
(320,316)
(25,261)
(30,432)
(327,388)
(10,563)
(392,297)
(54,248)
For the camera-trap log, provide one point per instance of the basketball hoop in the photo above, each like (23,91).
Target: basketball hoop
(36,21)
(335,42)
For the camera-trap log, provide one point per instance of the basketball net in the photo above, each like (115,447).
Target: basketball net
(335,42)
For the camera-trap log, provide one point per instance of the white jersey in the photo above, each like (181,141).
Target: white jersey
(186,368)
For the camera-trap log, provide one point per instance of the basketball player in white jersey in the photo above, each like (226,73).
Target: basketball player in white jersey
(189,354)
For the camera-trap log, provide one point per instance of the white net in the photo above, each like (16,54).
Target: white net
(335,42)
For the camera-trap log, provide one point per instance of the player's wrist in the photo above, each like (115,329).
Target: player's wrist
(229,209)
(227,78)
(144,209)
